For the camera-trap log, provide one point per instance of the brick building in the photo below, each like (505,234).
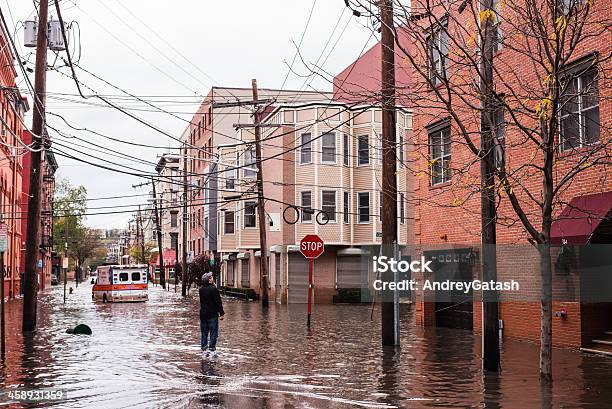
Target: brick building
(445,177)
(12,110)
(45,258)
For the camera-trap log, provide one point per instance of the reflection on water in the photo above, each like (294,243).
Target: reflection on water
(147,355)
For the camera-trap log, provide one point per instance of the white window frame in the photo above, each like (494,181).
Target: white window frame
(359,139)
(323,147)
(225,222)
(578,100)
(445,156)
(230,174)
(309,150)
(346,149)
(437,66)
(346,198)
(323,206)
(250,163)
(359,207)
(254,206)
(302,213)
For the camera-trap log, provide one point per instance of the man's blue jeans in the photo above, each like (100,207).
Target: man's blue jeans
(210,326)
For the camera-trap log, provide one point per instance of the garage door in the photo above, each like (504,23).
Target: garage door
(349,272)
(297,277)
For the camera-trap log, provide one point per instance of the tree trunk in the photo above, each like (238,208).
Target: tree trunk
(546,314)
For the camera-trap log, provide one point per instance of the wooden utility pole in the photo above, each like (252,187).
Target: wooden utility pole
(162,271)
(34,200)
(185,220)
(140,236)
(389,168)
(261,210)
(488,259)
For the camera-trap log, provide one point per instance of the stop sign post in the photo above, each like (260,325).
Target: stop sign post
(311,247)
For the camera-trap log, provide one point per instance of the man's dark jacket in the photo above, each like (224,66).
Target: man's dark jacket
(210,302)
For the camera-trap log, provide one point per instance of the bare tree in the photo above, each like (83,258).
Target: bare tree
(550,66)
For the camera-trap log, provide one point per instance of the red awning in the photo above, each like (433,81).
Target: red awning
(580,218)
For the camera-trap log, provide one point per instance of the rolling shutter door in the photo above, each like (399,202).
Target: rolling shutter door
(349,272)
(297,276)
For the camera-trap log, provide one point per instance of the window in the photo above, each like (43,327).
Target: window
(499,130)
(328,205)
(173,219)
(401,147)
(306,207)
(250,169)
(230,178)
(567,6)
(380,199)
(249,215)
(346,208)
(363,150)
(124,277)
(306,148)
(379,142)
(402,208)
(440,153)
(228,226)
(173,241)
(328,147)
(579,110)
(135,276)
(497,31)
(438,53)
(345,149)
(363,202)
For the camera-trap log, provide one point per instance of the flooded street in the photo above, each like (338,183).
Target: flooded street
(147,355)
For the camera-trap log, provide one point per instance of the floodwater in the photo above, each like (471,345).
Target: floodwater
(147,355)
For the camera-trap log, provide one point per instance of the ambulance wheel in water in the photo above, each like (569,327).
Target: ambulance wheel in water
(104,299)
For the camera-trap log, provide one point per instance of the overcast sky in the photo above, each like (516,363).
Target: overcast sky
(175,52)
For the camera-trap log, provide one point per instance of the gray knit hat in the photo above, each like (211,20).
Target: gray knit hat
(206,277)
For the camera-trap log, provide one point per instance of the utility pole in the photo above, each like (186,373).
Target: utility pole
(64,262)
(185,219)
(389,317)
(261,211)
(140,236)
(34,199)
(488,259)
(162,271)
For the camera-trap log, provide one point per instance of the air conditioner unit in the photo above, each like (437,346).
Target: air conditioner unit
(30,33)
(55,36)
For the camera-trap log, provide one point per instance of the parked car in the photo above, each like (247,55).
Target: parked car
(54,280)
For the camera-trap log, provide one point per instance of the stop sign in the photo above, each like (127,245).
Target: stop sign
(312,246)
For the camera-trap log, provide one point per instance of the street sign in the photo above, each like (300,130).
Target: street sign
(3,237)
(312,246)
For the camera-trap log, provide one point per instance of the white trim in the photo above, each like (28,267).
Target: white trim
(358,207)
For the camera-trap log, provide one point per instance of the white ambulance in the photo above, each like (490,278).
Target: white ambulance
(121,283)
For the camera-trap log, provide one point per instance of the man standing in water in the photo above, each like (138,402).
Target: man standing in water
(211,309)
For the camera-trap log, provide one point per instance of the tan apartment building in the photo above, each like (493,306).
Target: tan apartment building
(323,156)
(211,128)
